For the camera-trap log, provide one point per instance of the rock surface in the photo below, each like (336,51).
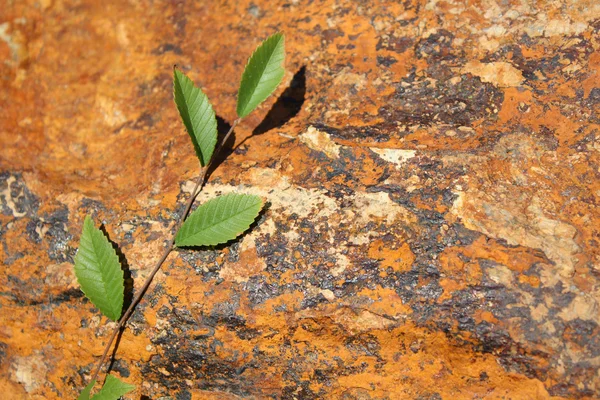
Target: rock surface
(432,169)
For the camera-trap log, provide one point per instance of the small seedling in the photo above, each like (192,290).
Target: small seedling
(217,221)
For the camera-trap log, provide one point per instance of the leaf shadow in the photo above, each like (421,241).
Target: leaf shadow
(113,354)
(127,277)
(222,129)
(288,105)
(127,295)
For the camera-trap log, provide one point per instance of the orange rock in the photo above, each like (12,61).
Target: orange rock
(431,170)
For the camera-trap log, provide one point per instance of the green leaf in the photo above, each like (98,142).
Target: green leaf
(113,389)
(262,75)
(219,220)
(99,272)
(85,394)
(197,115)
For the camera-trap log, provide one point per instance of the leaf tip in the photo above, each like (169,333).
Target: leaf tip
(197,115)
(98,270)
(88,224)
(85,393)
(262,74)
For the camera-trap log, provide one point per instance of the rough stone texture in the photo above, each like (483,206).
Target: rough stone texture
(432,169)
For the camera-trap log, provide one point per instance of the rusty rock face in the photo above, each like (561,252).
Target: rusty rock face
(431,172)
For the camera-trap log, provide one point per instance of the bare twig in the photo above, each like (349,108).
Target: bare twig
(197,189)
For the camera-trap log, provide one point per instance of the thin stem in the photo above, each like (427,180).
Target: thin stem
(197,189)
(201,180)
(129,311)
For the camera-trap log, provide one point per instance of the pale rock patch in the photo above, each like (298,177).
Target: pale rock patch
(30,371)
(277,190)
(113,115)
(530,227)
(6,193)
(379,206)
(320,141)
(500,74)
(582,307)
(394,156)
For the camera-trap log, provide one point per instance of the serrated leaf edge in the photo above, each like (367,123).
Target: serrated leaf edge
(110,381)
(244,74)
(179,78)
(88,226)
(222,199)
(85,393)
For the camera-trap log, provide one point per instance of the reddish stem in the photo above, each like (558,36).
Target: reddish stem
(197,189)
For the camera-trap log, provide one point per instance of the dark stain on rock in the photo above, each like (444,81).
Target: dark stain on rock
(91,205)
(375,133)
(178,19)
(363,345)
(167,47)
(3,349)
(395,44)
(160,84)
(330,34)
(299,391)
(585,334)
(121,367)
(55,228)
(430,396)
(421,102)
(144,121)
(253,10)
(196,360)
(436,47)
(259,290)
(15,197)
(11,257)
(594,96)
(66,296)
(34,299)
(386,61)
